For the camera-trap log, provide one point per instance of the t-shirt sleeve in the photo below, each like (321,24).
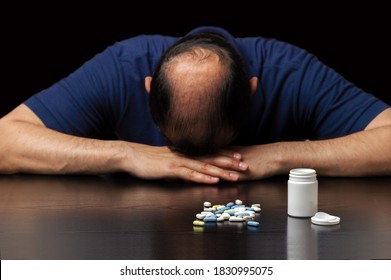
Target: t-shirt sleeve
(330,105)
(80,104)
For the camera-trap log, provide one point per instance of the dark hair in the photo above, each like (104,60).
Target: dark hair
(217,120)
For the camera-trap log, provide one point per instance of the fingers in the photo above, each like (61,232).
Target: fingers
(229,160)
(230,154)
(226,165)
(161,163)
(194,176)
(203,172)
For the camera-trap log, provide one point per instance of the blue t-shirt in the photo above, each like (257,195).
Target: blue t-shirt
(297,96)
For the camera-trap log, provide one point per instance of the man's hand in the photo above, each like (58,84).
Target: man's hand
(364,153)
(263,160)
(150,162)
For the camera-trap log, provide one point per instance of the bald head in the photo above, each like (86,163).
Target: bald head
(194,94)
(195,79)
(199,71)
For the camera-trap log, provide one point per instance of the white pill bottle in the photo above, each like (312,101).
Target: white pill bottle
(302,192)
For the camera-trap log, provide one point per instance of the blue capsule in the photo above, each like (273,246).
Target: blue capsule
(210,219)
(241,214)
(230,204)
(253,224)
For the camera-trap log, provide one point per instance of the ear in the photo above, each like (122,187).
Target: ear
(147,82)
(253,85)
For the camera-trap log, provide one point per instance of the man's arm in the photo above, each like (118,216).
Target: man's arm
(27,146)
(365,153)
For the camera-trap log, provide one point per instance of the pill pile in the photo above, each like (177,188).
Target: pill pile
(231,212)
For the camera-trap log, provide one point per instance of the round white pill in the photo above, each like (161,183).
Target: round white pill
(226,216)
(199,216)
(235,219)
(220,219)
(238,202)
(248,218)
(207,204)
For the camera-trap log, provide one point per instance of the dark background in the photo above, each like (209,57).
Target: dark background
(44,44)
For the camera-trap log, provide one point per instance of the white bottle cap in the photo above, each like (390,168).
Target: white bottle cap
(324,219)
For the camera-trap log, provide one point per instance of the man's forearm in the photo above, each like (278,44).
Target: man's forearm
(31,148)
(27,146)
(365,153)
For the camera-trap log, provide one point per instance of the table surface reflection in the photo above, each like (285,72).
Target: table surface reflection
(117,217)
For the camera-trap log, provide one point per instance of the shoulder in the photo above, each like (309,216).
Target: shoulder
(139,55)
(142,45)
(273,52)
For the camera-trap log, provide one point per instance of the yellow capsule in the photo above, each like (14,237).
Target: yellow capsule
(198,223)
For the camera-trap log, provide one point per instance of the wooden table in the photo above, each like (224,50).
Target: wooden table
(120,218)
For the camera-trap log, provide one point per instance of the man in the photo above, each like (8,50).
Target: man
(203,108)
